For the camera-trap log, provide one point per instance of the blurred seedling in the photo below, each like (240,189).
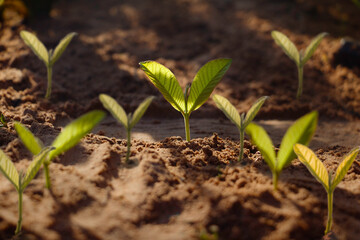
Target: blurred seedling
(241,121)
(20,180)
(202,86)
(67,139)
(3,122)
(213,233)
(128,121)
(318,170)
(300,132)
(300,58)
(49,57)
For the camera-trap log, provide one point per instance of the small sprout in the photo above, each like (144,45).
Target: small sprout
(300,58)
(213,233)
(20,181)
(202,86)
(300,132)
(128,121)
(48,57)
(241,121)
(318,170)
(3,122)
(67,139)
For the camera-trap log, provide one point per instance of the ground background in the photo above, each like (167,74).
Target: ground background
(175,190)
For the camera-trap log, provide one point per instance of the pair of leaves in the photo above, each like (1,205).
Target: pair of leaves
(300,58)
(300,132)
(231,113)
(8,169)
(67,139)
(318,170)
(48,57)
(202,86)
(119,113)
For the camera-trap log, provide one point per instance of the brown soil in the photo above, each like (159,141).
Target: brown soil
(173,189)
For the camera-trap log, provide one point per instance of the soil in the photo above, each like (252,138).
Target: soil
(172,189)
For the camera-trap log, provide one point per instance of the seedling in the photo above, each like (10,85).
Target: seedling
(300,132)
(318,170)
(300,58)
(241,121)
(67,139)
(3,122)
(202,86)
(20,180)
(128,121)
(48,57)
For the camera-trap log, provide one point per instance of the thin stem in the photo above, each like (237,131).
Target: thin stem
(128,145)
(300,78)
(275,179)
(49,78)
(330,211)
(187,127)
(47,175)
(241,144)
(18,226)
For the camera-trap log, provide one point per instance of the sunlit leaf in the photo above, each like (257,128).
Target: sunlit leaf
(250,115)
(344,167)
(164,80)
(205,81)
(287,46)
(228,109)
(74,131)
(35,165)
(60,48)
(300,132)
(36,46)
(313,164)
(261,139)
(114,108)
(32,143)
(139,112)
(312,47)
(8,169)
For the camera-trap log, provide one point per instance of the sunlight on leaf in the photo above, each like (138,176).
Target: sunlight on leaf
(32,143)
(250,115)
(8,169)
(228,109)
(114,108)
(344,167)
(60,48)
(36,46)
(141,109)
(287,46)
(312,47)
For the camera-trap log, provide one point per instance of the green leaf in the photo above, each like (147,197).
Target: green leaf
(205,81)
(32,143)
(1,2)
(115,109)
(300,132)
(313,164)
(164,80)
(8,169)
(36,46)
(35,166)
(228,109)
(60,48)
(312,47)
(344,167)
(250,115)
(261,139)
(74,131)
(139,112)
(287,46)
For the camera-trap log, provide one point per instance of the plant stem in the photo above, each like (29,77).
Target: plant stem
(18,226)
(128,145)
(241,144)
(275,179)
(300,78)
(187,127)
(47,175)
(49,78)
(330,211)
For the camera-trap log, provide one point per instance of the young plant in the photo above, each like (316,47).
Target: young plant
(67,139)
(48,57)
(300,58)
(300,132)
(241,121)
(202,86)
(128,121)
(3,122)
(318,170)
(20,180)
